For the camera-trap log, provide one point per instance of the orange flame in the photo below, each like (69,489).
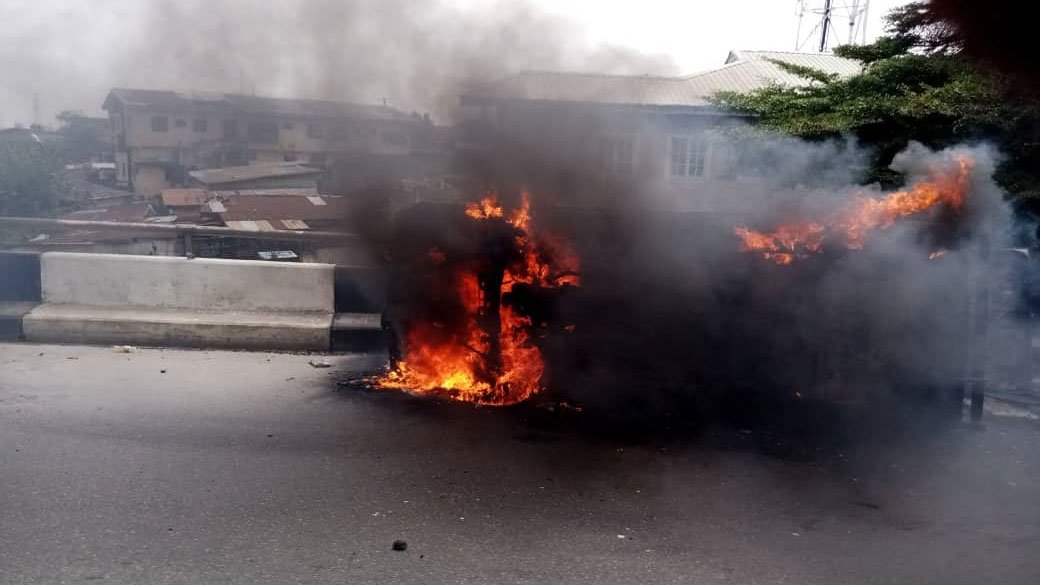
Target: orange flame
(798,240)
(455,364)
(486,208)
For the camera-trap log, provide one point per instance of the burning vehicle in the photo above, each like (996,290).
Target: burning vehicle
(476,332)
(504,301)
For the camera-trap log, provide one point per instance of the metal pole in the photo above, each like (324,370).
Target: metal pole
(853,16)
(865,20)
(977,365)
(826,25)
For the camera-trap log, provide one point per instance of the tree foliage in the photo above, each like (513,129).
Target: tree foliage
(28,178)
(915,86)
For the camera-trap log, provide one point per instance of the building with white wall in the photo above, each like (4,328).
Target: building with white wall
(662,133)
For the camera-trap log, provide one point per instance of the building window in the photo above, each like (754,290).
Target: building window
(318,157)
(180,123)
(266,132)
(395,138)
(314,131)
(117,123)
(230,128)
(160,124)
(288,126)
(689,154)
(339,131)
(618,154)
(198,125)
(235,158)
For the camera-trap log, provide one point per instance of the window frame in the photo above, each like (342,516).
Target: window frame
(199,125)
(609,160)
(705,158)
(153,123)
(233,124)
(262,131)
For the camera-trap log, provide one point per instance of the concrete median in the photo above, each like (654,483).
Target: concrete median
(169,301)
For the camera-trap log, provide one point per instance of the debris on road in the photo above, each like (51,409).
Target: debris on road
(400,545)
(315,364)
(124,348)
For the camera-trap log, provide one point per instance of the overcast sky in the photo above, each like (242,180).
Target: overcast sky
(698,34)
(71,53)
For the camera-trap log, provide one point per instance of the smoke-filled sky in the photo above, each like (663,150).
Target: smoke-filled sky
(413,53)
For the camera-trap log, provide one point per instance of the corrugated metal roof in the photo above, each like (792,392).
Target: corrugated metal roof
(173,101)
(297,192)
(743,71)
(258,225)
(828,62)
(124,212)
(183,197)
(252,172)
(267,207)
(263,225)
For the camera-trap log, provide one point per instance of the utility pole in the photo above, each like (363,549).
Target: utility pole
(826,25)
(823,34)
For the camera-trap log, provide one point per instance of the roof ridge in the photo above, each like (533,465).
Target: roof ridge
(187,93)
(813,53)
(596,74)
(714,69)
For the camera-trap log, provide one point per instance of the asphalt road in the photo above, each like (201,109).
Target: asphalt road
(254,468)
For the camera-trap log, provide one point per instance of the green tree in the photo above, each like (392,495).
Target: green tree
(28,178)
(915,86)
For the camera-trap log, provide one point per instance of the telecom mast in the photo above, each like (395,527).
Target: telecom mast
(835,22)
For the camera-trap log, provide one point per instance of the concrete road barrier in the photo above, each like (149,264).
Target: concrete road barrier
(170,301)
(19,291)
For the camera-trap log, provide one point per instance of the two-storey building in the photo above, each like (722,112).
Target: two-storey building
(661,135)
(160,135)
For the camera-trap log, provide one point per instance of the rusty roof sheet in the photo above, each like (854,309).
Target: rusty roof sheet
(298,192)
(252,172)
(183,197)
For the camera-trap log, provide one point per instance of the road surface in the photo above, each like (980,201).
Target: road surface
(163,466)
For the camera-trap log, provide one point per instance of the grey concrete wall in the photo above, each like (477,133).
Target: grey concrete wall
(179,328)
(181,283)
